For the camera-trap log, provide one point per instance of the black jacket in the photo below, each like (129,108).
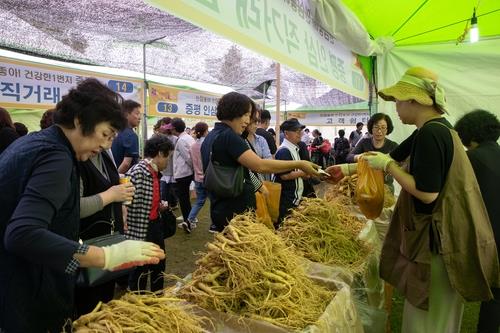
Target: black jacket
(93,183)
(39,194)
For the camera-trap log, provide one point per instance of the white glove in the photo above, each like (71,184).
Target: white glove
(377,160)
(131,253)
(339,171)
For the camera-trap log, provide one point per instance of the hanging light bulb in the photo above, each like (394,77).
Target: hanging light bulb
(474,30)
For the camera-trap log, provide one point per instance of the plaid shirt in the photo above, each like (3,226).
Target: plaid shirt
(138,211)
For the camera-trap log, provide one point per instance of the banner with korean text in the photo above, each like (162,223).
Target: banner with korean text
(165,101)
(333,118)
(30,85)
(284,30)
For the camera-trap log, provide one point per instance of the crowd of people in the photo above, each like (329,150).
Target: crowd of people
(63,185)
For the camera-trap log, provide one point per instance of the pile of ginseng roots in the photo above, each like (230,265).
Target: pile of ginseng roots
(327,233)
(249,271)
(149,313)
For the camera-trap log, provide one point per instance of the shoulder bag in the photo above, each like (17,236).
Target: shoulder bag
(223,181)
(91,276)
(169,223)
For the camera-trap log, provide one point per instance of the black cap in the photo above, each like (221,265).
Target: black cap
(291,125)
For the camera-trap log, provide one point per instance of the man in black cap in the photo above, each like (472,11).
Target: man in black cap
(292,183)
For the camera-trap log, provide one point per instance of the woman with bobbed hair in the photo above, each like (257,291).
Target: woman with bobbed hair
(379,126)
(39,220)
(143,214)
(479,131)
(8,132)
(225,145)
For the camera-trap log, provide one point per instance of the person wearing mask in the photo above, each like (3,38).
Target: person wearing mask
(201,131)
(356,135)
(479,131)
(183,169)
(8,132)
(262,126)
(143,219)
(439,248)
(101,214)
(225,145)
(39,219)
(125,147)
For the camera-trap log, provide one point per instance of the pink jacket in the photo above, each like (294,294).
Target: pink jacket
(196,158)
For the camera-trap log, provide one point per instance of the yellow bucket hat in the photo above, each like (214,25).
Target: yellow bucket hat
(418,84)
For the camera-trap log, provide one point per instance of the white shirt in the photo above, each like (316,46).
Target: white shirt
(299,182)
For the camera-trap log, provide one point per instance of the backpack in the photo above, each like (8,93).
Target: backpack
(325,147)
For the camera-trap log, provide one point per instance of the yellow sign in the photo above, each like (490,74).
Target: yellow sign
(165,101)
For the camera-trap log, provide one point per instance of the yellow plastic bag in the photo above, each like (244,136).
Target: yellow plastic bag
(370,190)
(273,200)
(262,212)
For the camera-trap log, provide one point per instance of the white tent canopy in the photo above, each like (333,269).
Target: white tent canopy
(469,74)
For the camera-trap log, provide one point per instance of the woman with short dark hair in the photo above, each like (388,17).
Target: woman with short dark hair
(479,131)
(379,126)
(225,146)
(143,219)
(39,219)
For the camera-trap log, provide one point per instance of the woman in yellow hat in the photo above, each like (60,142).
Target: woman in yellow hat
(439,249)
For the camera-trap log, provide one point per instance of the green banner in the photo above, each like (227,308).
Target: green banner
(285,31)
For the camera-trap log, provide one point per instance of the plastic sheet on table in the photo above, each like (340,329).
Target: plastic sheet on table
(339,316)
(324,273)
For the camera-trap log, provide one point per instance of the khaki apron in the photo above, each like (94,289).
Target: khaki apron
(461,233)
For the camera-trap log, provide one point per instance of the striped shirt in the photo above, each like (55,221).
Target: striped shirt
(291,189)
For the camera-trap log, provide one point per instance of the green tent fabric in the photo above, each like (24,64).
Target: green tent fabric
(30,118)
(425,33)
(412,22)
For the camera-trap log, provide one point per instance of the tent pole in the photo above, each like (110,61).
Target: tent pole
(278,102)
(264,96)
(145,106)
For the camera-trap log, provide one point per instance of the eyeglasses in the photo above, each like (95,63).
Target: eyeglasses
(379,128)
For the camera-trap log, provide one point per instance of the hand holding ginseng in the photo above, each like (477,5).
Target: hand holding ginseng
(131,253)
(339,171)
(309,168)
